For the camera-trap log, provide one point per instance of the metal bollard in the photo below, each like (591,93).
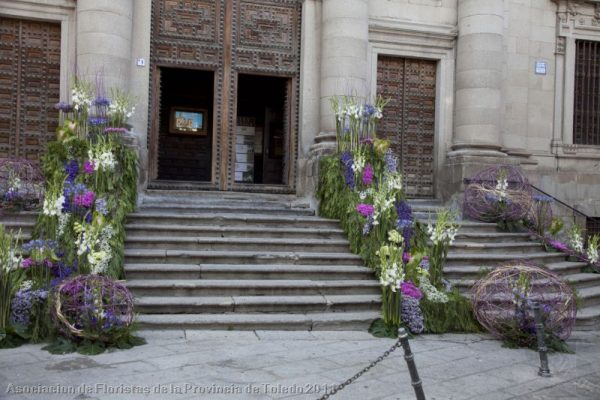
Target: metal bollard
(412,368)
(542,349)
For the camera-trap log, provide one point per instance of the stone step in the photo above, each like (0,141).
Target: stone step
(212,209)
(320,321)
(257,304)
(471,227)
(492,260)
(155,256)
(244,271)
(566,267)
(142,229)
(492,237)
(216,196)
(239,244)
(25,217)
(579,281)
(512,248)
(238,220)
(588,318)
(245,287)
(589,296)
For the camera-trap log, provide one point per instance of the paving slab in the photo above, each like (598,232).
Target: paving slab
(300,365)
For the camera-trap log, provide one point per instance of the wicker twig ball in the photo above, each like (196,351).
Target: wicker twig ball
(93,307)
(503,300)
(21,182)
(498,193)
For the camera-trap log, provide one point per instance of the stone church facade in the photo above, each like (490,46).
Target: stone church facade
(471,83)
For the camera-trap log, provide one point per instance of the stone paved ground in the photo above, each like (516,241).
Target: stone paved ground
(282,365)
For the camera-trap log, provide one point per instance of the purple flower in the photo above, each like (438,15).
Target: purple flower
(409,289)
(367,141)
(102,101)
(367,177)
(348,161)
(71,169)
(406,257)
(558,245)
(115,130)
(94,121)
(391,161)
(425,263)
(88,167)
(412,315)
(22,304)
(405,221)
(26,263)
(366,210)
(85,200)
(101,206)
(369,110)
(64,107)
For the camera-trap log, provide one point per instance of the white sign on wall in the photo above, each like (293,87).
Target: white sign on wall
(541,67)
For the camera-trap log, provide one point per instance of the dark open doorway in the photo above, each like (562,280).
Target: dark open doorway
(185,130)
(261,131)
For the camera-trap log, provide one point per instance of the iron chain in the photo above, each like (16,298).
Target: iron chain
(361,372)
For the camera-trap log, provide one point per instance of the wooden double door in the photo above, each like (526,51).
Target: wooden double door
(211,57)
(29,87)
(409,118)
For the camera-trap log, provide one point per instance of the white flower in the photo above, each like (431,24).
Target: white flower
(592,254)
(430,291)
(53,207)
(63,220)
(26,285)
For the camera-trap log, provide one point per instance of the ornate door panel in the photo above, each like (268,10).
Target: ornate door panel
(29,86)
(228,37)
(409,119)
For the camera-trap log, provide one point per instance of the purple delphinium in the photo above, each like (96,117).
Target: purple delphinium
(404,223)
(409,289)
(391,161)
(101,206)
(406,257)
(411,315)
(71,169)
(61,271)
(88,167)
(347,161)
(26,263)
(102,101)
(366,210)
(64,107)
(369,110)
(425,263)
(367,176)
(95,121)
(39,244)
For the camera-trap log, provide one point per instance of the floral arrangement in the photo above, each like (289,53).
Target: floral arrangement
(11,277)
(93,307)
(541,218)
(21,185)
(503,303)
(498,194)
(361,186)
(90,186)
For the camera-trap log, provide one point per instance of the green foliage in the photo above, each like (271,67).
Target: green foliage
(12,337)
(11,274)
(380,329)
(92,347)
(520,339)
(454,316)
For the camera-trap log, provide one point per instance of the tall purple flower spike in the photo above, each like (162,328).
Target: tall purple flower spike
(494,296)
(483,202)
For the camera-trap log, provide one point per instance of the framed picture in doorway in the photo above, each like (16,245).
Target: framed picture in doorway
(188,121)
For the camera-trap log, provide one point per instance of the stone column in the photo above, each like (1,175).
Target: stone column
(479,66)
(104,29)
(344,47)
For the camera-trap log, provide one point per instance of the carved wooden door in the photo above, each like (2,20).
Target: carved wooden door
(409,118)
(29,86)
(227,37)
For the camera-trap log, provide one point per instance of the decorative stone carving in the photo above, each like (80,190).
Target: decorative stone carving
(561,43)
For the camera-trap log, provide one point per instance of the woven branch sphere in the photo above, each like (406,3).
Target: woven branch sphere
(93,307)
(485,202)
(503,306)
(20,181)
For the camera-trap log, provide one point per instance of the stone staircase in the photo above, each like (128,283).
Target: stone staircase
(205,260)
(480,246)
(209,260)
